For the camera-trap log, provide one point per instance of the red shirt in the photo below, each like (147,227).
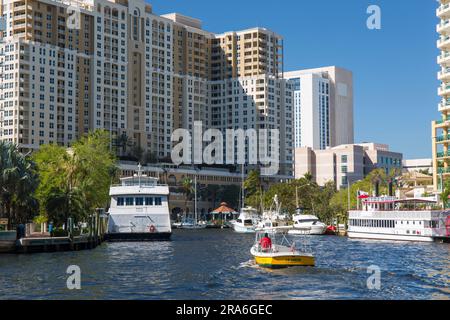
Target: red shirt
(266,243)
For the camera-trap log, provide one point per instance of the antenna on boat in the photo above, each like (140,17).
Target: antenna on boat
(139,174)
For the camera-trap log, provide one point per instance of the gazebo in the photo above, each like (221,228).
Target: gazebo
(224,212)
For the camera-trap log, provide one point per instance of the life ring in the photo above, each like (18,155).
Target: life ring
(152,229)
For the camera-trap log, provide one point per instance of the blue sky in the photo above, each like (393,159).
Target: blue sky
(394,68)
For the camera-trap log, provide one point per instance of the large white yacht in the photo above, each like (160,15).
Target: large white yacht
(388,218)
(307,225)
(247,221)
(139,210)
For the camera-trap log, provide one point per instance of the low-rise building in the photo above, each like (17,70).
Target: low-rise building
(345,164)
(417,165)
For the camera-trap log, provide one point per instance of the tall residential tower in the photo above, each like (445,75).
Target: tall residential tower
(72,66)
(323,107)
(441,128)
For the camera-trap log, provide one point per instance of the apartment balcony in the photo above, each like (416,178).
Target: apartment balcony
(444,43)
(443,139)
(443,11)
(22,7)
(443,27)
(444,106)
(442,155)
(444,59)
(443,122)
(444,171)
(444,74)
(444,90)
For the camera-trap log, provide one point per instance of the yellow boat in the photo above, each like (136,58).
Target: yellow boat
(282,253)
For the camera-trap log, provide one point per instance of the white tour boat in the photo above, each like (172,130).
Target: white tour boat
(139,210)
(388,218)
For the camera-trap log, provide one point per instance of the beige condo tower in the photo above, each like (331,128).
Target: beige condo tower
(138,75)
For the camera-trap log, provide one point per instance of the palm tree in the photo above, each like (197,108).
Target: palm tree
(188,189)
(123,141)
(63,204)
(18,182)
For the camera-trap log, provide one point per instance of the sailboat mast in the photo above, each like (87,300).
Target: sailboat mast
(242,188)
(195,202)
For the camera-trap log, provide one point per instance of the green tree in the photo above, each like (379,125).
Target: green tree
(80,174)
(18,182)
(253,190)
(230,194)
(188,189)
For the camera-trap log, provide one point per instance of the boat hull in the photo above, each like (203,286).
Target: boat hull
(138,237)
(242,229)
(312,231)
(285,261)
(388,237)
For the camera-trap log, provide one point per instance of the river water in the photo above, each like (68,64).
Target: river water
(216,264)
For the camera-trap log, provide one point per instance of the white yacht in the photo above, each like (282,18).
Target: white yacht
(307,225)
(247,221)
(388,218)
(272,219)
(139,210)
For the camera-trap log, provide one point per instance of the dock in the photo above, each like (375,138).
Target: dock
(36,242)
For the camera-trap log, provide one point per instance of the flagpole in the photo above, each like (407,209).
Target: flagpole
(358,200)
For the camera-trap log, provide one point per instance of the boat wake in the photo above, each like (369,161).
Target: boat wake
(248,264)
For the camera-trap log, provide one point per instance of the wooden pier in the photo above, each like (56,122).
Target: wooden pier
(35,242)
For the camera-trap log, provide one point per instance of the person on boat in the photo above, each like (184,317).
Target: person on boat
(266,242)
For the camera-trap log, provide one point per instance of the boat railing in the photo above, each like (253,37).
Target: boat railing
(142,185)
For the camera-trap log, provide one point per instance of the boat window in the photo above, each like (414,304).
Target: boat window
(129,201)
(239,221)
(120,201)
(139,201)
(148,201)
(158,201)
(248,222)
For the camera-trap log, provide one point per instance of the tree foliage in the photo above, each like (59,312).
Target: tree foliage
(76,180)
(18,182)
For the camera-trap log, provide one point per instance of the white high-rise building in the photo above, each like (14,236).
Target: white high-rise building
(323,107)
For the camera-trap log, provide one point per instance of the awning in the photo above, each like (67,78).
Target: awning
(224,209)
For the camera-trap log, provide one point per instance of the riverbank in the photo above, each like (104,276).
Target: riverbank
(49,244)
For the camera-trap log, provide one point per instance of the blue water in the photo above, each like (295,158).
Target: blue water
(216,264)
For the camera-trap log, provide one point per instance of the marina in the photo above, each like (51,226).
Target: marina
(219,266)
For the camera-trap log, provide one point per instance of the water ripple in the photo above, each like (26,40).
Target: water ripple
(216,264)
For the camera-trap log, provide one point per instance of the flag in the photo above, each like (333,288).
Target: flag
(363,195)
